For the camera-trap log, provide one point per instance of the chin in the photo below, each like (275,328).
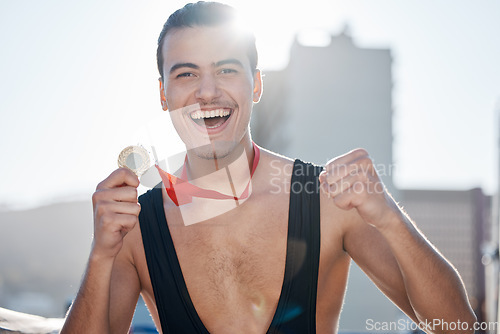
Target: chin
(217,149)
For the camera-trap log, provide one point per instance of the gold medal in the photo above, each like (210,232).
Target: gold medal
(135,158)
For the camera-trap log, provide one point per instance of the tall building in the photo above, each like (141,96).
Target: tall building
(328,101)
(457,223)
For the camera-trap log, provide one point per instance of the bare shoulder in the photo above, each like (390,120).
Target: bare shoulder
(270,161)
(272,176)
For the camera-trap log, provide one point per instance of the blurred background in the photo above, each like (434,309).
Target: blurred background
(415,82)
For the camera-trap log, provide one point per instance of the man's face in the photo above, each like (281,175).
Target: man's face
(209,88)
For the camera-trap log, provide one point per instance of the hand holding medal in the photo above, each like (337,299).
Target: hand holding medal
(136,158)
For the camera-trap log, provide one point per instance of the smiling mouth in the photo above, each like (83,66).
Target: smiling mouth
(211,119)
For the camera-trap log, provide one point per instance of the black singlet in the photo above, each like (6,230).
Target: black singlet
(296,310)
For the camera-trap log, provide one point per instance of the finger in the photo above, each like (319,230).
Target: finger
(341,171)
(120,177)
(348,183)
(124,208)
(347,158)
(324,188)
(121,194)
(322,176)
(345,200)
(105,211)
(362,165)
(352,197)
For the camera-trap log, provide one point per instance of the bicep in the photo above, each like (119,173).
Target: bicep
(124,292)
(371,252)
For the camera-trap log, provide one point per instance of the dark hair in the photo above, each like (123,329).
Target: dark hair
(203,14)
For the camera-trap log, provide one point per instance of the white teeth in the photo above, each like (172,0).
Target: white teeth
(209,113)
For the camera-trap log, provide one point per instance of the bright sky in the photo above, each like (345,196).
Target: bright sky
(78,78)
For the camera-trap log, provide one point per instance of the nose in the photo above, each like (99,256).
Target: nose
(208,89)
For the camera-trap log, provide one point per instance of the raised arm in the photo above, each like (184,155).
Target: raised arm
(108,294)
(384,242)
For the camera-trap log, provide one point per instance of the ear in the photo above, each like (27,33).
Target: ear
(163,99)
(257,86)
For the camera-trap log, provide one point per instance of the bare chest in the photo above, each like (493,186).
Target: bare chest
(234,269)
(233,266)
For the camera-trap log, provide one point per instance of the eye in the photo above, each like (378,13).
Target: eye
(185,75)
(228,71)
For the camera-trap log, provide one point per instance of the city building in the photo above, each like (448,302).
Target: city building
(457,223)
(328,101)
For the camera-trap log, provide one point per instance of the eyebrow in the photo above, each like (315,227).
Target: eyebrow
(181,65)
(196,67)
(229,61)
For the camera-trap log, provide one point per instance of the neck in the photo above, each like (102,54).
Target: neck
(238,162)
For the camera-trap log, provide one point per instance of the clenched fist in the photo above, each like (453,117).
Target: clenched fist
(116,211)
(352,181)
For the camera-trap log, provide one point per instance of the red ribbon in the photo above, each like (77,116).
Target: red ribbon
(185,191)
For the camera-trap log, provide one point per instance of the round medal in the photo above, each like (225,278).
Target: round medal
(135,158)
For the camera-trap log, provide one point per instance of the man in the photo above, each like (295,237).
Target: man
(218,256)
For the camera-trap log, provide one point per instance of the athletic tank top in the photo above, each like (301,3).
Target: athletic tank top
(296,309)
